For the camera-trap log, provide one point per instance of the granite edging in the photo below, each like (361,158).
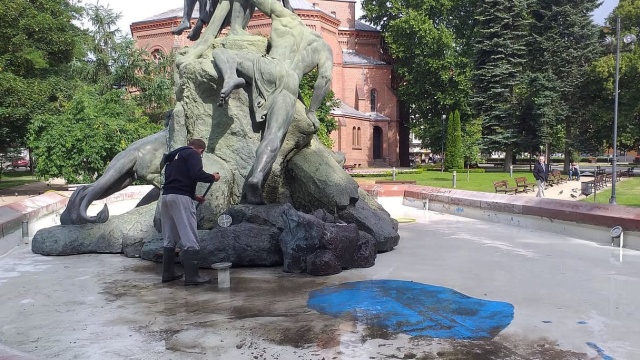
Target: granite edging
(33,208)
(604,215)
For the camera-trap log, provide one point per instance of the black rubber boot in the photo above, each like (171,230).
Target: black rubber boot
(169,272)
(191,270)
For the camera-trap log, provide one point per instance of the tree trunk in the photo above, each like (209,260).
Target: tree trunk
(404,141)
(567,147)
(508,158)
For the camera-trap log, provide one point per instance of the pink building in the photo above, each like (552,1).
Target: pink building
(368,113)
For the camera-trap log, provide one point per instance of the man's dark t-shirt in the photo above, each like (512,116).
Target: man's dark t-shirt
(183,172)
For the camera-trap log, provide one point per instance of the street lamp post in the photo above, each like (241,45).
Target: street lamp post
(444,117)
(628,39)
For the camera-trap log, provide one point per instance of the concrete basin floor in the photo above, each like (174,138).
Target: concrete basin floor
(572,299)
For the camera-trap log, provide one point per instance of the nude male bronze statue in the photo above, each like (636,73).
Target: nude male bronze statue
(275,78)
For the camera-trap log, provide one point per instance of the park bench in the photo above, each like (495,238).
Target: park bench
(599,182)
(523,185)
(556,178)
(502,186)
(628,172)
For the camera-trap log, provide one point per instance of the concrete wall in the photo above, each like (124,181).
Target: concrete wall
(586,221)
(44,211)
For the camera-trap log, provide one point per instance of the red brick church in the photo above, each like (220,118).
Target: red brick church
(368,111)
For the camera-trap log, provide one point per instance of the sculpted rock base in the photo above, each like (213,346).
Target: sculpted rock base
(305,178)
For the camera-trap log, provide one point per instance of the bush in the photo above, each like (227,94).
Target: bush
(427,167)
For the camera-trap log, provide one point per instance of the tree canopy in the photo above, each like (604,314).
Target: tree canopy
(75,97)
(37,42)
(533,72)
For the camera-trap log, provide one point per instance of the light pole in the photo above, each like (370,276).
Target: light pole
(628,39)
(444,117)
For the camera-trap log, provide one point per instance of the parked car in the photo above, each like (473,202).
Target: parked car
(18,163)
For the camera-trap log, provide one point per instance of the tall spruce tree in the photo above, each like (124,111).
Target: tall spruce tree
(500,61)
(564,44)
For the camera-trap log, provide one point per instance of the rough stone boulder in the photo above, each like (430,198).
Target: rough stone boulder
(123,234)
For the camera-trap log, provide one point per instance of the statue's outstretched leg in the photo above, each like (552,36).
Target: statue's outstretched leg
(226,62)
(196,31)
(189,5)
(279,118)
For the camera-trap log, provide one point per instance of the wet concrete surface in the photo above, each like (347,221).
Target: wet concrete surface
(572,299)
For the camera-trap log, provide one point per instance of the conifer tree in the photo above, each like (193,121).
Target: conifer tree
(500,62)
(454,158)
(564,43)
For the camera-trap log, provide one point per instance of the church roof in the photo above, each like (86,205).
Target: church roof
(350,57)
(365,27)
(344,109)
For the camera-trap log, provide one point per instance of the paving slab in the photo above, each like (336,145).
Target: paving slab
(570,299)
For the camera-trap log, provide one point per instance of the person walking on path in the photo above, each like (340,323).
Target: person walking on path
(540,174)
(178,210)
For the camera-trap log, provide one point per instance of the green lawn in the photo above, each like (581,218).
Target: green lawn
(472,181)
(15,178)
(627,193)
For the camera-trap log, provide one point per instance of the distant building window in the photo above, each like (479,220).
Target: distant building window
(374,99)
(354,137)
(156,55)
(358,138)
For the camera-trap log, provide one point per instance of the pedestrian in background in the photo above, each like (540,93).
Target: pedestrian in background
(540,173)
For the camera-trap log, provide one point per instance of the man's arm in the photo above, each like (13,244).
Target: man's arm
(194,166)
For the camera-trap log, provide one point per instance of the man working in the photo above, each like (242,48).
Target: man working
(183,171)
(540,174)
(294,51)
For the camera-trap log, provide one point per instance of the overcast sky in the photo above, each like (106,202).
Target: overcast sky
(136,10)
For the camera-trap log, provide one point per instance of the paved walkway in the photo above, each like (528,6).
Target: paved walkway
(570,299)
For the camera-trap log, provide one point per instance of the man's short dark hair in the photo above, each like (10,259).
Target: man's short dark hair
(197,144)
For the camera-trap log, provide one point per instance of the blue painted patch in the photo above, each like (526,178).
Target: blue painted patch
(459,210)
(582,322)
(413,308)
(600,351)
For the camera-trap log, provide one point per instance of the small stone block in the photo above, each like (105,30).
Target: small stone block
(221,265)
(224,278)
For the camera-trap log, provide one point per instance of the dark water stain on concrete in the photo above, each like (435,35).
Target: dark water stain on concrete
(145,267)
(269,305)
(506,348)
